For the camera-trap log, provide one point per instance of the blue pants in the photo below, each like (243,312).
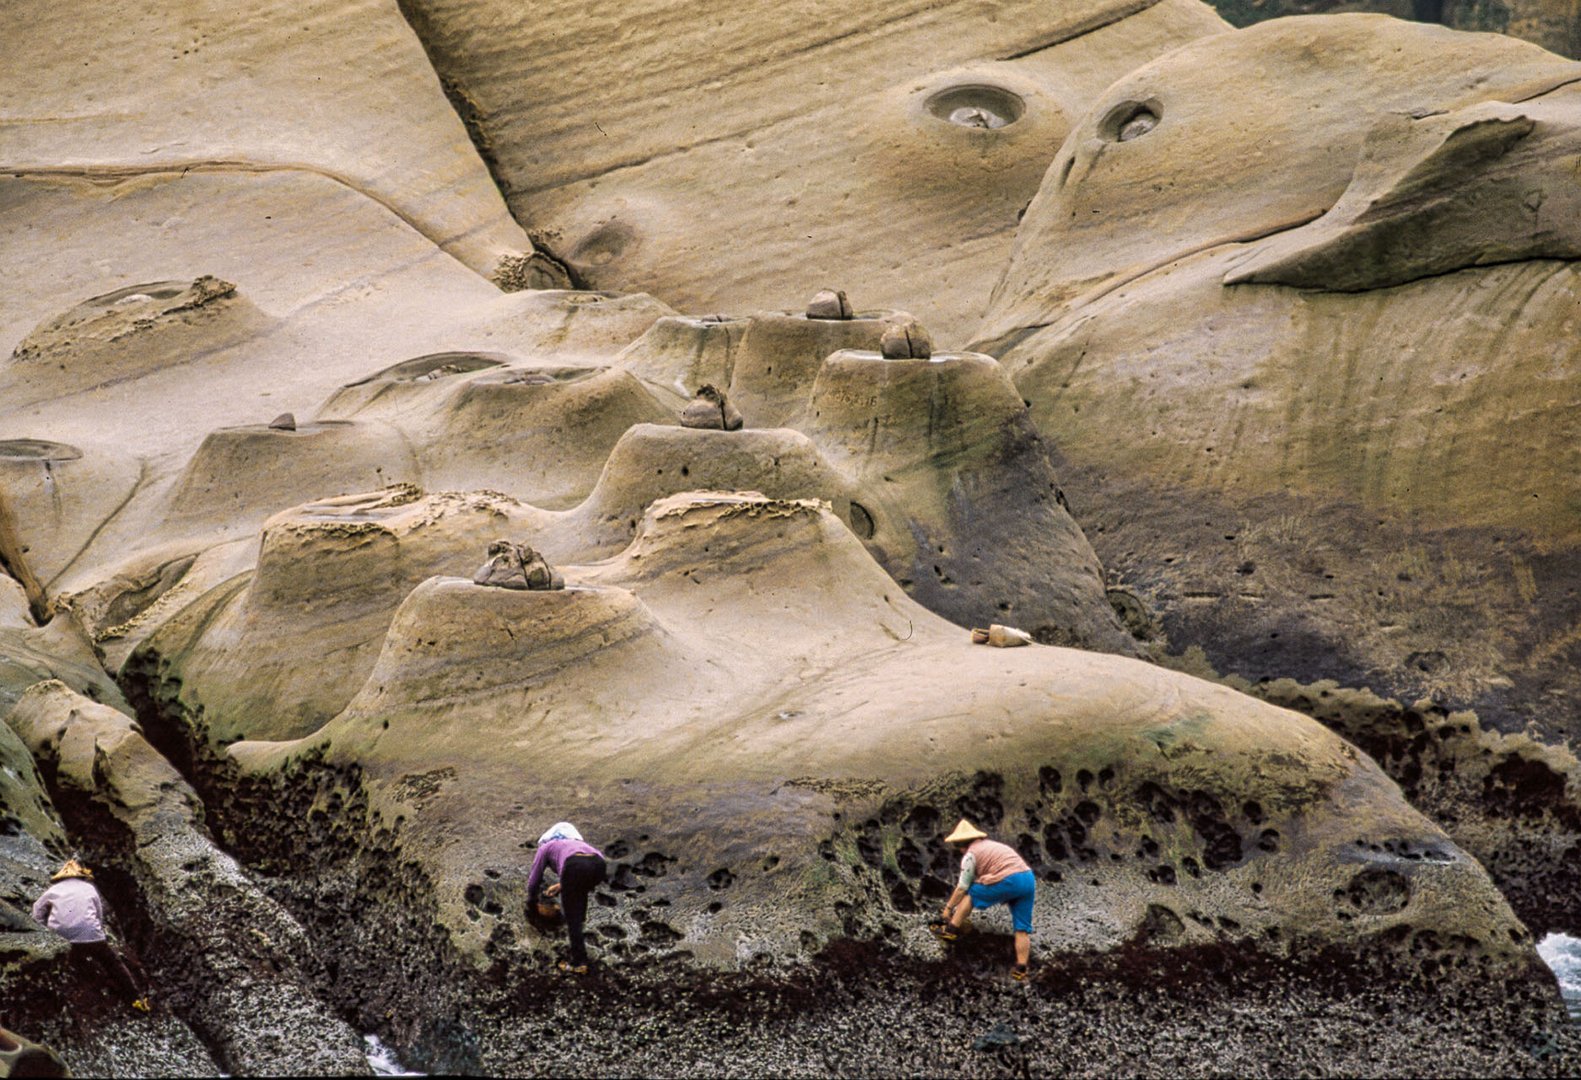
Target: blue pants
(1015,890)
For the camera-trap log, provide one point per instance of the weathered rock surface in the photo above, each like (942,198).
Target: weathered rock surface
(47,997)
(1264,168)
(1553,24)
(1152,804)
(1289,319)
(1510,800)
(888,149)
(335,88)
(233,963)
(540,434)
(1311,426)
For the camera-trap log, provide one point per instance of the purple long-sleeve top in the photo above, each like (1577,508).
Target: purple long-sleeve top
(71,907)
(553,854)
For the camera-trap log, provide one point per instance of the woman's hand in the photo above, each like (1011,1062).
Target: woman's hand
(552,890)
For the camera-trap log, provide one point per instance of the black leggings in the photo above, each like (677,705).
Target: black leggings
(579,875)
(102,955)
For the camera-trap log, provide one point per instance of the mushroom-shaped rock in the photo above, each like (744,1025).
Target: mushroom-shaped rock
(945,445)
(240,476)
(711,409)
(779,357)
(1165,791)
(517,566)
(829,304)
(535,433)
(451,638)
(330,575)
(652,462)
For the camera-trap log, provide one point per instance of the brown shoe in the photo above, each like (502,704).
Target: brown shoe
(568,968)
(1020,973)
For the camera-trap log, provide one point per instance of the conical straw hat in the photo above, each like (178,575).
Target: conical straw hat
(72,868)
(965,830)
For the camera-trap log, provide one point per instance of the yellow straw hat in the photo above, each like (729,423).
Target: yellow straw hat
(73,868)
(964,831)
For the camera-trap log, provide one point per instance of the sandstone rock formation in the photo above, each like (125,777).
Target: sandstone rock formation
(24,1057)
(227,926)
(1553,24)
(517,566)
(711,410)
(1287,328)
(337,89)
(888,149)
(1324,425)
(1154,804)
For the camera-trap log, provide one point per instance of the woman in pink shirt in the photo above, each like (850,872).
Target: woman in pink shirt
(72,908)
(580,867)
(991,873)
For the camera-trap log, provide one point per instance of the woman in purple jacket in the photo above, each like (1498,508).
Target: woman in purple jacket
(71,907)
(580,867)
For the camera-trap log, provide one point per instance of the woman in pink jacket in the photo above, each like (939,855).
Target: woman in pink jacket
(580,867)
(71,907)
(991,873)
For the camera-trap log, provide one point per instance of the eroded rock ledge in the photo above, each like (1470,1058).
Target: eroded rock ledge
(1165,816)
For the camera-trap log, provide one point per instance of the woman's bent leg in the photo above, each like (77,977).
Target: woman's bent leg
(579,877)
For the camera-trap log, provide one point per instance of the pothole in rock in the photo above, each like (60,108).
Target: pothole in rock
(435,366)
(604,245)
(37,450)
(129,297)
(1130,120)
(977,105)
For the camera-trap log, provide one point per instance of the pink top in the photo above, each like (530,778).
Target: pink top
(991,861)
(71,907)
(552,855)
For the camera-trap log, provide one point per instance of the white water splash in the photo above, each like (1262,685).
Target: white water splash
(382,1060)
(1562,953)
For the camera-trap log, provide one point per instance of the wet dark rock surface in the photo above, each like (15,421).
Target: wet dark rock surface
(1434,664)
(1510,800)
(857,1013)
(861,1008)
